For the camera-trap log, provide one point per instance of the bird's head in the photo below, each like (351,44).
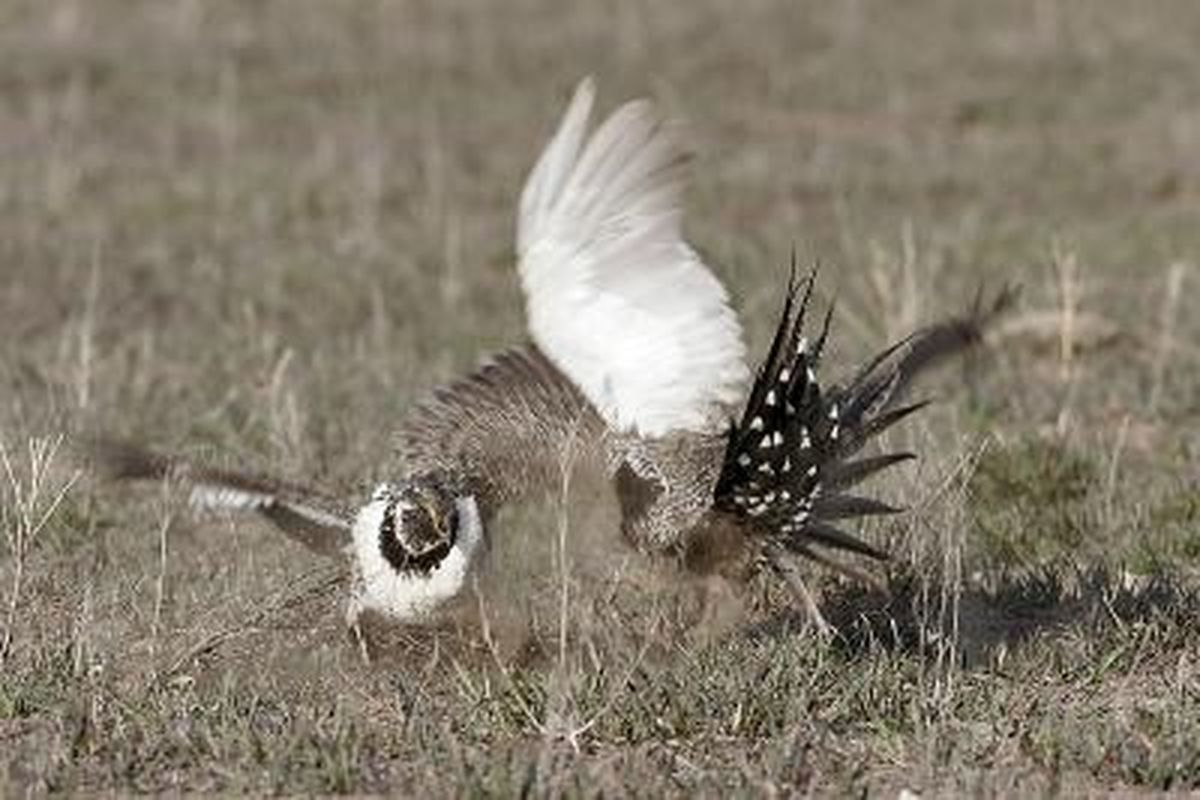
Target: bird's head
(417,523)
(413,544)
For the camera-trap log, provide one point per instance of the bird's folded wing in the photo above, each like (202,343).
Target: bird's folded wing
(616,298)
(510,427)
(310,517)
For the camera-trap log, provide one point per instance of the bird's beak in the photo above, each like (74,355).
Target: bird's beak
(439,520)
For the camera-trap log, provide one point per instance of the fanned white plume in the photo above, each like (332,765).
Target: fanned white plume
(616,298)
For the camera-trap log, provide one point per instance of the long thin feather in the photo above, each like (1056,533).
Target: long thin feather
(309,516)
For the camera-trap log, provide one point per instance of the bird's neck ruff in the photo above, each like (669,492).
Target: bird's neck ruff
(428,579)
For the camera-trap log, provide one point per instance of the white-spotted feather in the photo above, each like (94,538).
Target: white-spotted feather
(615,297)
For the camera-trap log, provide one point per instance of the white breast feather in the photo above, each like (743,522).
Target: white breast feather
(615,297)
(415,595)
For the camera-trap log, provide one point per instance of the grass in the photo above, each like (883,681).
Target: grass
(254,232)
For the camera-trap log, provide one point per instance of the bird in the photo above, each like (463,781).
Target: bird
(635,367)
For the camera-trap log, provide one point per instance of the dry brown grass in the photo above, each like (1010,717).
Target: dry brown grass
(253,232)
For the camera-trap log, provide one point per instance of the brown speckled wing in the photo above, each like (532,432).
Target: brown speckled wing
(507,429)
(665,486)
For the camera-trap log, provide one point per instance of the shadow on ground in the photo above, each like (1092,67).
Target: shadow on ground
(911,614)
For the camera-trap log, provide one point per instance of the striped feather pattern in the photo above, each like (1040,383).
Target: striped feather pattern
(506,429)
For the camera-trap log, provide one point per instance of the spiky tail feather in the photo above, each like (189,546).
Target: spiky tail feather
(788,464)
(868,401)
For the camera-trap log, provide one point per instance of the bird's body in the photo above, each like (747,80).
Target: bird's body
(636,372)
(516,426)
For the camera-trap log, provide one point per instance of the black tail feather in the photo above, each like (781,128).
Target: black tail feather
(874,426)
(868,429)
(843,506)
(884,380)
(845,474)
(825,534)
(819,347)
(787,464)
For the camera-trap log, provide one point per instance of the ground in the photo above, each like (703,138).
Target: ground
(254,232)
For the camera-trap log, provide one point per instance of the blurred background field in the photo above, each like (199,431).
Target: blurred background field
(254,232)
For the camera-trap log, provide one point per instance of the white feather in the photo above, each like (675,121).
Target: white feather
(409,596)
(211,496)
(615,297)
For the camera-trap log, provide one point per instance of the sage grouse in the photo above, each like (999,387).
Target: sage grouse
(637,363)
